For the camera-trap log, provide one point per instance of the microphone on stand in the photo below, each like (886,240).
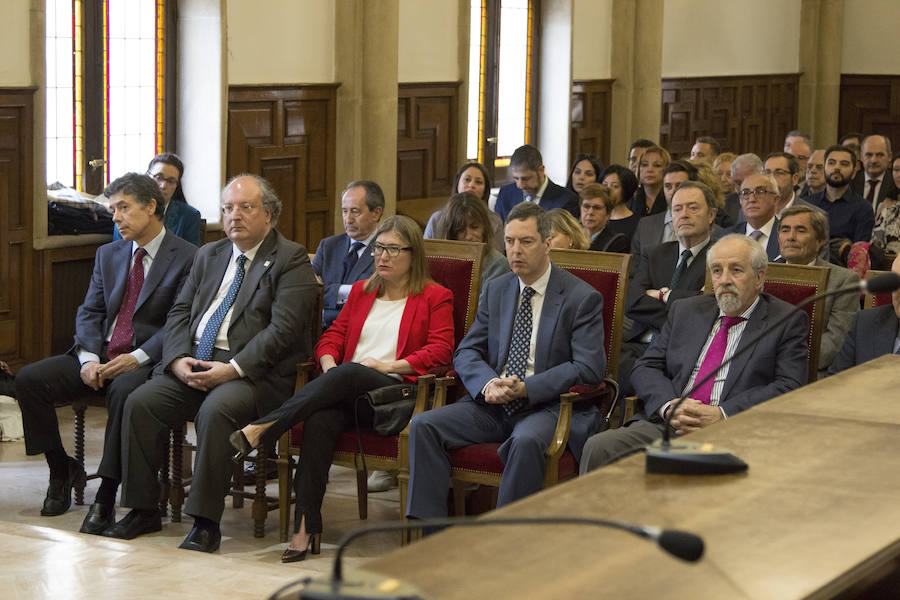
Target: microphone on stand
(693,458)
(373,586)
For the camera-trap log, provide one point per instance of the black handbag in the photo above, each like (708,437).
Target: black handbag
(392,406)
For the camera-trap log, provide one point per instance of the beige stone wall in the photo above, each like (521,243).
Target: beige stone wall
(428,41)
(870,37)
(711,38)
(591,39)
(280,41)
(15,68)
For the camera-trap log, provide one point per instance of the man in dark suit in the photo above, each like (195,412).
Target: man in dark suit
(699,335)
(876,160)
(673,270)
(232,342)
(530,184)
(849,216)
(802,233)
(874,332)
(345,258)
(658,228)
(815,174)
(118,339)
(800,146)
(539,330)
(759,194)
(742,167)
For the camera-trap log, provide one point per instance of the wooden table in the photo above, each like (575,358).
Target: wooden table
(816,516)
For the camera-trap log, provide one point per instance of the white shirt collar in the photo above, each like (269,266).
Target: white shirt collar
(540,193)
(250,254)
(694,249)
(151,247)
(540,285)
(765,229)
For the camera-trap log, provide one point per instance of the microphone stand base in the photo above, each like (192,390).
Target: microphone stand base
(358,584)
(691,458)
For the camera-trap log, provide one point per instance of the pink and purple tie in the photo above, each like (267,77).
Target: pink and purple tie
(713,358)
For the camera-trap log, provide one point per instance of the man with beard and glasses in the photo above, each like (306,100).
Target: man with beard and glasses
(849,215)
(700,334)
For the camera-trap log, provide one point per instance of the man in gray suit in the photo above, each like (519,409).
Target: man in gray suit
(873,333)
(802,233)
(539,330)
(699,335)
(118,339)
(232,342)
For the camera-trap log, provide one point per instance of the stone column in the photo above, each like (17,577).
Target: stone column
(365,64)
(636,61)
(821,47)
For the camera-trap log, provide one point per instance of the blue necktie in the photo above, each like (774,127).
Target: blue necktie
(350,260)
(208,339)
(519,347)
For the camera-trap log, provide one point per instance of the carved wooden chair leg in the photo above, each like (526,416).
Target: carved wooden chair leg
(165,482)
(459,498)
(176,495)
(79,406)
(260,501)
(362,494)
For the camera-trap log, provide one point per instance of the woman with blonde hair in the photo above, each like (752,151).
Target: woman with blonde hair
(649,199)
(565,231)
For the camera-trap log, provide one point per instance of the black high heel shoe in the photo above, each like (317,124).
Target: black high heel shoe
(312,546)
(241,445)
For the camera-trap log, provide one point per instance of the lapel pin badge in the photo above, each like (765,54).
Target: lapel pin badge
(267,263)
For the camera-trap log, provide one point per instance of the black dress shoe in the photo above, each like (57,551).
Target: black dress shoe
(202,540)
(135,523)
(312,546)
(100,517)
(241,445)
(59,492)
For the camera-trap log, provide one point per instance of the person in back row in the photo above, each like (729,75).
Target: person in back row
(531,184)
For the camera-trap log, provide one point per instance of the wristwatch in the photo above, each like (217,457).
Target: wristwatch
(662,293)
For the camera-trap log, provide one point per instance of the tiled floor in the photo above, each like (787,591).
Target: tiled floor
(154,565)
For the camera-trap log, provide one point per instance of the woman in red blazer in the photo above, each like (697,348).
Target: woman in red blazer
(396,325)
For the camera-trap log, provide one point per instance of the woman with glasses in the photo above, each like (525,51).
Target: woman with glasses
(181,218)
(472,177)
(467,218)
(395,325)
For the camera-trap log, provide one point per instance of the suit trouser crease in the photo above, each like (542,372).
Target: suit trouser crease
(524,438)
(41,384)
(611,445)
(325,406)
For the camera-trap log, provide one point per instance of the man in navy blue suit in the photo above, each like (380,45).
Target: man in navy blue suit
(539,330)
(345,258)
(532,185)
(759,195)
(118,340)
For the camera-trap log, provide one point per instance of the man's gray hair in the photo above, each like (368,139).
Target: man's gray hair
(759,260)
(747,162)
(270,200)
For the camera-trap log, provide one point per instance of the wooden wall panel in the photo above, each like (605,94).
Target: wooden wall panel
(67,276)
(427,159)
(870,104)
(591,119)
(287,135)
(18,289)
(745,114)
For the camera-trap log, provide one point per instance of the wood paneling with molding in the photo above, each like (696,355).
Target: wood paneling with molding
(427,159)
(870,104)
(19,307)
(591,119)
(745,114)
(287,135)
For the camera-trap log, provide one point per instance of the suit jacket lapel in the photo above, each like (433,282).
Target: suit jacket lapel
(364,265)
(122,259)
(772,248)
(263,260)
(553,299)
(164,256)
(215,268)
(409,316)
(509,304)
(754,326)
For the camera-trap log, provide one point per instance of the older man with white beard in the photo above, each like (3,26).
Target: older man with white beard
(700,334)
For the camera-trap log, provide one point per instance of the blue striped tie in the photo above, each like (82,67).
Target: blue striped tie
(208,339)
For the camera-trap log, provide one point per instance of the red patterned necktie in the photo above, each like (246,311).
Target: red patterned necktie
(123,333)
(714,355)
(870,197)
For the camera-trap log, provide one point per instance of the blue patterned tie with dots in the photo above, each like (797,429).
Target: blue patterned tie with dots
(208,339)
(519,347)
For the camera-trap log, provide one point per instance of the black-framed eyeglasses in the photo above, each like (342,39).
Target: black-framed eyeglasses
(392,251)
(758,192)
(161,179)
